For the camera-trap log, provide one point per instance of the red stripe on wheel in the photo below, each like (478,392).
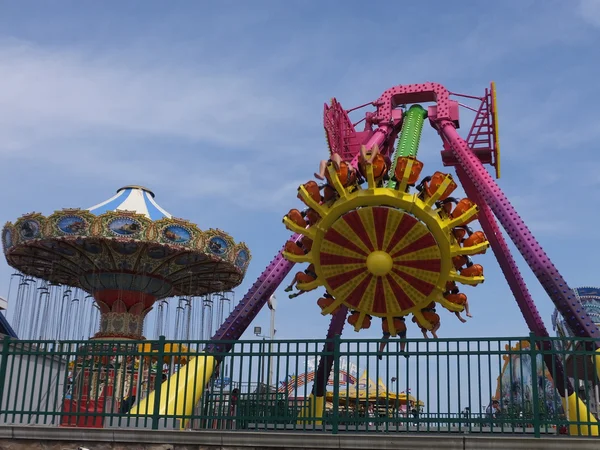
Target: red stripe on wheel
(354,221)
(328,259)
(336,281)
(423,287)
(401,297)
(430,265)
(335,237)
(406,224)
(380,216)
(424,241)
(356,296)
(379,305)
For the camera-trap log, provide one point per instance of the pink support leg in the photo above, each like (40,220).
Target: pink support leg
(554,284)
(249,307)
(336,326)
(515,281)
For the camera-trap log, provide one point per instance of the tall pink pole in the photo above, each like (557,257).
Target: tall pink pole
(336,326)
(547,274)
(248,308)
(515,282)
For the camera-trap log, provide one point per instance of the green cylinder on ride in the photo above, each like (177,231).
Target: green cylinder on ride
(410,136)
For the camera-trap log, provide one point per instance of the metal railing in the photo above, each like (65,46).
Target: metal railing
(493,385)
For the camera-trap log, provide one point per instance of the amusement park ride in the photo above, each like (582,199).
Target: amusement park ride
(392,247)
(384,241)
(127,253)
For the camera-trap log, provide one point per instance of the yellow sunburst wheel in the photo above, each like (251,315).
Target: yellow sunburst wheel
(383,252)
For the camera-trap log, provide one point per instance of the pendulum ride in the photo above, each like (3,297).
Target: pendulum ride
(385,241)
(395,246)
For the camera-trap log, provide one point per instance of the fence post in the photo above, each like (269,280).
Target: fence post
(534,384)
(3,366)
(336,386)
(160,360)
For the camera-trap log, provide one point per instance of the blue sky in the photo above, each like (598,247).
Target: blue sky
(217,107)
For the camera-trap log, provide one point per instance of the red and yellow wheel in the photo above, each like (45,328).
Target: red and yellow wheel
(380,260)
(383,252)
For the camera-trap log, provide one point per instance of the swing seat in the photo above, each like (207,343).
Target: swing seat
(476,270)
(415,170)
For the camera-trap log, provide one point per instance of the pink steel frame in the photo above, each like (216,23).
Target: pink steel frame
(478,185)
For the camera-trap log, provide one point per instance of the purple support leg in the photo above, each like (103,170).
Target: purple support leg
(326,362)
(249,307)
(515,281)
(554,284)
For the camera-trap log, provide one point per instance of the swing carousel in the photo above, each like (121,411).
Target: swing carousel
(115,260)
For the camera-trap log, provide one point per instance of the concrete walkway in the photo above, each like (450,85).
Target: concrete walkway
(52,438)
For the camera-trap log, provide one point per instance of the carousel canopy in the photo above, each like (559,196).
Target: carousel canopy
(126,253)
(129,235)
(132,198)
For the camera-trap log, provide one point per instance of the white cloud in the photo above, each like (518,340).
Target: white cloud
(51,94)
(91,114)
(61,105)
(589,10)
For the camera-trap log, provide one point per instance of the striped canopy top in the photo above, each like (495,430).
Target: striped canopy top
(132,198)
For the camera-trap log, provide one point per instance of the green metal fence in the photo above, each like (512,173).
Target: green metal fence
(494,385)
